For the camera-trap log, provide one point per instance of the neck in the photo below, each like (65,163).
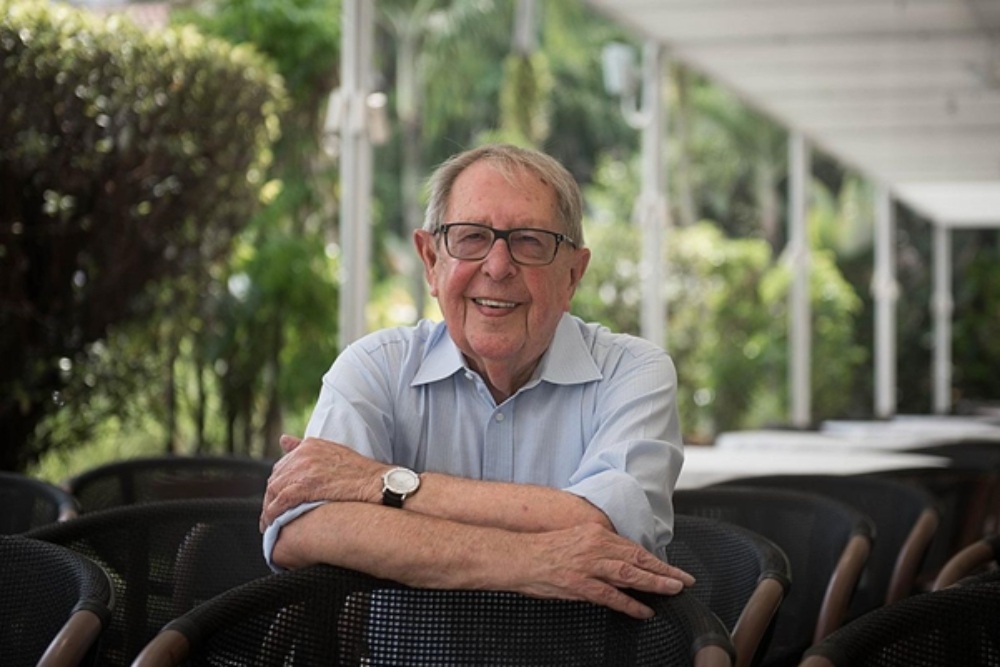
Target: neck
(502,381)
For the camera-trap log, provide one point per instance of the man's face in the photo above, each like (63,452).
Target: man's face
(500,314)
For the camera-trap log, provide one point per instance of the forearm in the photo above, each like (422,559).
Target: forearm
(414,549)
(513,507)
(316,469)
(585,562)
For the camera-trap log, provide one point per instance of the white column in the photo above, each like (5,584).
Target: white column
(942,306)
(799,256)
(357,36)
(885,290)
(651,207)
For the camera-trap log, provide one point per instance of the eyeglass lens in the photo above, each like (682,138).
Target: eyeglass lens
(527,246)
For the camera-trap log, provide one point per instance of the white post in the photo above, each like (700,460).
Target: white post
(800,310)
(886,293)
(651,207)
(357,37)
(942,306)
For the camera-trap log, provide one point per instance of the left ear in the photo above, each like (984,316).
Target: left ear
(576,271)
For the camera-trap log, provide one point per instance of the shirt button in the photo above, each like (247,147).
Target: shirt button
(499,417)
(468,375)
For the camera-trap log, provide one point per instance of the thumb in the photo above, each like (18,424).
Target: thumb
(288,442)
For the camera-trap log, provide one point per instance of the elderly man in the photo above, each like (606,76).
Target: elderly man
(511,446)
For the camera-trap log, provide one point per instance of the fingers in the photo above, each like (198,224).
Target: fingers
(648,561)
(317,469)
(594,564)
(288,442)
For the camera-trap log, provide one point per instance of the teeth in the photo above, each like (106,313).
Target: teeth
(495,304)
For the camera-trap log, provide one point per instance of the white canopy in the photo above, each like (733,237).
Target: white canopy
(905,91)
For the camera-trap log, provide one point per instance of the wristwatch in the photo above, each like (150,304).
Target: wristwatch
(397,484)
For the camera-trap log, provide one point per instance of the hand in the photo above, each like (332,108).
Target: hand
(316,469)
(591,563)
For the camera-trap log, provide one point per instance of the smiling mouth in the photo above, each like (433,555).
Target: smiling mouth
(492,303)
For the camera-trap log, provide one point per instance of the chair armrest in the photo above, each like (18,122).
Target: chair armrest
(967,560)
(712,656)
(167,649)
(755,619)
(75,638)
(911,554)
(842,585)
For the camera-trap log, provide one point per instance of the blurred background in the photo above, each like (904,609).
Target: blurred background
(171,237)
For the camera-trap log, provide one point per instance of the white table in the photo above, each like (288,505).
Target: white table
(709,465)
(924,429)
(839,436)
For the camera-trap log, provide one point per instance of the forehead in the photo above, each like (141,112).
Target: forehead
(483,192)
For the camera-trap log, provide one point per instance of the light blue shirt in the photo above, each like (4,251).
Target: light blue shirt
(597,419)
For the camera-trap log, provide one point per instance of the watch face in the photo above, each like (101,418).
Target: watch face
(401,480)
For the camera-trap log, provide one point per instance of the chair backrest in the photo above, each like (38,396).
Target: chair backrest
(740,576)
(977,557)
(164,559)
(905,519)
(980,453)
(144,480)
(963,497)
(957,626)
(327,615)
(827,543)
(54,603)
(26,503)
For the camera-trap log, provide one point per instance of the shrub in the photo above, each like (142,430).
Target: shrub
(125,158)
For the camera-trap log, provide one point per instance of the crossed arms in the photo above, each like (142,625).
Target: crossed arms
(456,532)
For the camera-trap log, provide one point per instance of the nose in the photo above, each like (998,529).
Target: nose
(498,264)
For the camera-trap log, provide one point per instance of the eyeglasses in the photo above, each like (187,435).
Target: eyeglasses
(529,247)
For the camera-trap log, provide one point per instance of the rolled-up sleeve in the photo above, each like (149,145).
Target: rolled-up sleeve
(630,466)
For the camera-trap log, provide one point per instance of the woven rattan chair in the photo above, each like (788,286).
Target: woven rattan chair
(27,503)
(164,559)
(827,543)
(905,519)
(740,576)
(958,626)
(964,498)
(144,480)
(979,556)
(54,604)
(323,615)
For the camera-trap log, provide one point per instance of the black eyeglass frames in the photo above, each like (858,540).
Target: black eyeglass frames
(472,241)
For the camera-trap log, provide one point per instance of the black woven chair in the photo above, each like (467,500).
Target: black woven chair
(958,626)
(144,480)
(979,556)
(164,559)
(963,497)
(323,615)
(827,544)
(905,519)
(740,576)
(54,604)
(26,503)
(979,454)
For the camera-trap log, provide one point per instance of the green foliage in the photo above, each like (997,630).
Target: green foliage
(301,37)
(836,356)
(977,296)
(270,322)
(125,158)
(526,97)
(727,314)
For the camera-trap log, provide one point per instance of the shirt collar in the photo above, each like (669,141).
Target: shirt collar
(567,361)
